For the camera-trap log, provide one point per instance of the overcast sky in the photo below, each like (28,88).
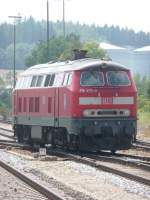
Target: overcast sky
(125,13)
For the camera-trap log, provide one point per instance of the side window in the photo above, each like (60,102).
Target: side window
(52,80)
(39,81)
(24,82)
(49,80)
(18,83)
(21,82)
(58,79)
(28,83)
(34,80)
(68,79)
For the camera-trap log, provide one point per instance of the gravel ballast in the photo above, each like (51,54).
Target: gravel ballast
(77,181)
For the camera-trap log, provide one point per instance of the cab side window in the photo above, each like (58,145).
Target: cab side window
(67,79)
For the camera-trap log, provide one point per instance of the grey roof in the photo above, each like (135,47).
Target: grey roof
(71,66)
(108,46)
(143,49)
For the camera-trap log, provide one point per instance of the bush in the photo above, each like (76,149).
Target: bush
(143,104)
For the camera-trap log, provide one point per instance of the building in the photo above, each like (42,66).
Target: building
(137,60)
(142,60)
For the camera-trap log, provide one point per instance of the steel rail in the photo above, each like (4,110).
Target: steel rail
(94,163)
(5,129)
(41,189)
(6,135)
(132,163)
(144,158)
(143,142)
(141,147)
(108,154)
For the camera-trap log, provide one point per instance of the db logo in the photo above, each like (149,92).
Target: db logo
(107,100)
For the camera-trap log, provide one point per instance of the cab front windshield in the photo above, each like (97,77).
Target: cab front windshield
(117,78)
(92,78)
(96,78)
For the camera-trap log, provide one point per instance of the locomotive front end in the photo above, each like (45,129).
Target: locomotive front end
(107,108)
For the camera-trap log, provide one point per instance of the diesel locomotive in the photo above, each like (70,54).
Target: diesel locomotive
(86,104)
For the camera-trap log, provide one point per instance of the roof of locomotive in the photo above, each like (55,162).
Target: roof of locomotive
(81,64)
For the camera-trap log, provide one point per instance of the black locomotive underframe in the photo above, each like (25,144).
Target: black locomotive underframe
(108,134)
(87,133)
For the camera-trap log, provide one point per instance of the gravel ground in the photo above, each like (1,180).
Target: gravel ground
(7,126)
(5,138)
(77,181)
(11,188)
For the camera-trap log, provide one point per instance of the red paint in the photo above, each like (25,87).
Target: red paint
(64,101)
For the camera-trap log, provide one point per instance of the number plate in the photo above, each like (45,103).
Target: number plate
(107,100)
(42,151)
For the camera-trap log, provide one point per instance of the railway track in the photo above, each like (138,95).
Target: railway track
(143,143)
(140,145)
(120,168)
(39,188)
(137,161)
(7,133)
(104,161)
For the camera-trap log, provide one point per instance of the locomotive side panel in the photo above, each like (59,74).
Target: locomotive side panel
(35,106)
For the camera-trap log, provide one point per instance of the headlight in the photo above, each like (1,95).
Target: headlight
(88,113)
(126,112)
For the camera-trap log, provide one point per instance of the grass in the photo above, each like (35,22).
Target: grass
(144,126)
(144,119)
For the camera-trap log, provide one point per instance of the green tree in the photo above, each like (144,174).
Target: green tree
(2,83)
(23,50)
(93,49)
(72,42)
(61,48)
(58,48)
(148,89)
(5,102)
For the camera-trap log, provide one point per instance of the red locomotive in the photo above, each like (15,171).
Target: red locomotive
(86,104)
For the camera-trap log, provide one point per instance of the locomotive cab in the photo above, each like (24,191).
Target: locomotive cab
(105,108)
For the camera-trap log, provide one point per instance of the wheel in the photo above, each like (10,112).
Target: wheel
(19,133)
(53,143)
(73,143)
(26,132)
(64,140)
